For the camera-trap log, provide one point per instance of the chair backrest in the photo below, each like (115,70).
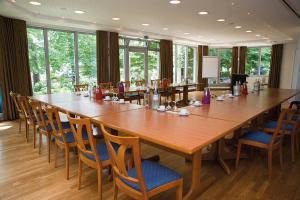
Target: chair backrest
(284,119)
(81,87)
(16,101)
(156,81)
(139,83)
(78,126)
(26,108)
(117,158)
(55,123)
(105,85)
(38,114)
(126,83)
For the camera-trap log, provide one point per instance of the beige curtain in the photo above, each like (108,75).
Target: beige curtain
(14,63)
(102,56)
(166,59)
(114,58)
(275,68)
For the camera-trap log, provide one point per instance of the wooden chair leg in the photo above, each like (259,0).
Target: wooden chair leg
(40,142)
(238,155)
(26,133)
(34,135)
(55,154)
(99,171)
(67,150)
(115,191)
(20,124)
(179,191)
(79,173)
(281,156)
(297,143)
(49,146)
(293,147)
(270,158)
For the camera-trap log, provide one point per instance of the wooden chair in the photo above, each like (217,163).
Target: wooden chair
(158,81)
(126,83)
(43,125)
(93,155)
(20,112)
(81,87)
(64,138)
(263,140)
(29,117)
(140,83)
(107,85)
(147,178)
(289,128)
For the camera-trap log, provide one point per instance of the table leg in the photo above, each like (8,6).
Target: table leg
(196,188)
(220,158)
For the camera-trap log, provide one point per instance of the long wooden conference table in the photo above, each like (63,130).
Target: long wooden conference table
(184,135)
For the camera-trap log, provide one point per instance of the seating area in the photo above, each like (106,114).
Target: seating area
(102,101)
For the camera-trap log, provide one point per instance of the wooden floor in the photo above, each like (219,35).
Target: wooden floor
(24,174)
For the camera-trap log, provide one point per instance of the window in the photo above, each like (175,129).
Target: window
(225,63)
(258,61)
(184,60)
(60,59)
(139,59)
(36,53)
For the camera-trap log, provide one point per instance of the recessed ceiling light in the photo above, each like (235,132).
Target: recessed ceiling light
(79,11)
(145,24)
(257,35)
(13,1)
(115,18)
(248,31)
(186,33)
(220,20)
(35,3)
(238,27)
(203,13)
(174,1)
(265,38)
(165,29)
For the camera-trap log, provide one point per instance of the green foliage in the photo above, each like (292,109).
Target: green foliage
(258,61)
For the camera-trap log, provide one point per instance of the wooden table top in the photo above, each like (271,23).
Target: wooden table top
(183,134)
(244,108)
(84,106)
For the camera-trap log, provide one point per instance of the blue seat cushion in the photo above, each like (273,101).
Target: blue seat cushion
(102,151)
(258,136)
(155,175)
(70,137)
(65,125)
(273,125)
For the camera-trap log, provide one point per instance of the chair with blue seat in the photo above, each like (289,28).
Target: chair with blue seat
(18,107)
(92,154)
(30,120)
(64,138)
(147,178)
(42,123)
(264,140)
(288,128)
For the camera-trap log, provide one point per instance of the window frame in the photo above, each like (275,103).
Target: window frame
(259,60)
(46,51)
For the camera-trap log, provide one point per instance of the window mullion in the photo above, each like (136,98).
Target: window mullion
(76,58)
(185,62)
(47,63)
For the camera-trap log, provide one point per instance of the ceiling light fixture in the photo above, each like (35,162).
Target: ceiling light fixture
(258,35)
(145,24)
(13,1)
(79,12)
(237,27)
(186,33)
(35,3)
(174,2)
(203,13)
(220,20)
(165,29)
(248,31)
(115,18)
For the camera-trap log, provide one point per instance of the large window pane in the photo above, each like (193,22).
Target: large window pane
(265,61)
(225,56)
(137,43)
(153,65)
(87,58)
(252,61)
(190,67)
(212,52)
(180,63)
(122,64)
(61,56)
(136,66)
(37,60)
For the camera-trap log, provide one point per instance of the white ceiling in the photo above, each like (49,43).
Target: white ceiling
(268,18)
